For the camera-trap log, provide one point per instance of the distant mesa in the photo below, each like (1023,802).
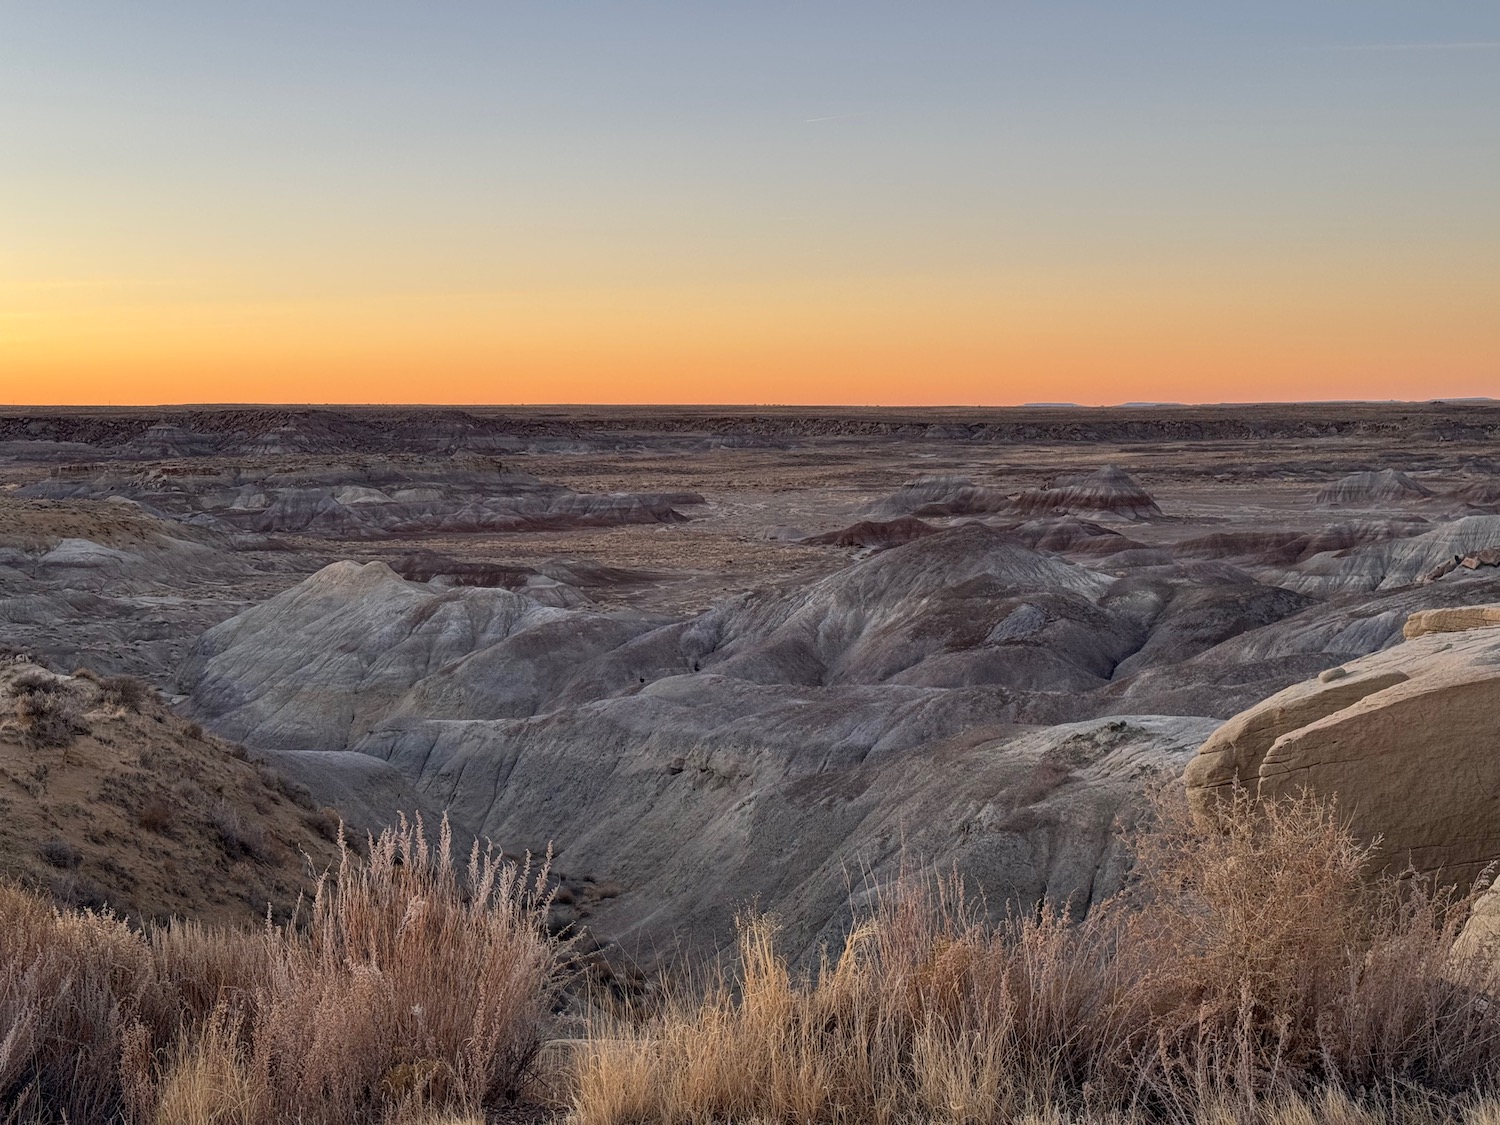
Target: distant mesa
(874,533)
(942,496)
(164,440)
(378,498)
(1289,548)
(1364,490)
(1108,490)
(1482,494)
(1069,535)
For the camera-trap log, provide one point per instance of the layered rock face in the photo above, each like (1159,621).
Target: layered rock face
(1390,562)
(752,752)
(113,588)
(942,496)
(963,697)
(873,533)
(377,499)
(1404,739)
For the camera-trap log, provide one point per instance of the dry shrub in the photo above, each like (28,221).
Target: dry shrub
(412,991)
(327,823)
(155,816)
(1243,970)
(129,692)
(59,853)
(209,1079)
(46,711)
(293,791)
(211,966)
(239,838)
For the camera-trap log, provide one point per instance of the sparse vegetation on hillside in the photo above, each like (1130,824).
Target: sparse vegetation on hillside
(46,712)
(108,797)
(411,991)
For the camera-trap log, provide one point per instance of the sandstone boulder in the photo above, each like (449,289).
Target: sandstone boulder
(1404,741)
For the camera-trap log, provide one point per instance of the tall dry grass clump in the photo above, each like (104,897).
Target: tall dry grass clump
(1247,968)
(413,982)
(410,987)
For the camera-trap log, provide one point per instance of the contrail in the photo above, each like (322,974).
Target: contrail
(1477,45)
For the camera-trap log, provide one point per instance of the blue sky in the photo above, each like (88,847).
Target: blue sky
(202,155)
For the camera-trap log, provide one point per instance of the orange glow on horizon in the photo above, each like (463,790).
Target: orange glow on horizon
(862,344)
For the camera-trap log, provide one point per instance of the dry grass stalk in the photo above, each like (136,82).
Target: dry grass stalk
(1247,975)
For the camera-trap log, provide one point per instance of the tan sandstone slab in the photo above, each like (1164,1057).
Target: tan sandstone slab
(1407,741)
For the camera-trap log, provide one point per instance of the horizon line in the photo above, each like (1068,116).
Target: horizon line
(1438,400)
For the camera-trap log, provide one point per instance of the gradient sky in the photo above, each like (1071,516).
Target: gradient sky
(816,202)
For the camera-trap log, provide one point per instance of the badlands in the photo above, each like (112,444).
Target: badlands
(714,658)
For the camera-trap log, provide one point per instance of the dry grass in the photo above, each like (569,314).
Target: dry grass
(1250,974)
(411,991)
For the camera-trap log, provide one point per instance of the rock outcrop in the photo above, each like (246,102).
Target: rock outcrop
(379,498)
(1403,739)
(1458,619)
(1489,556)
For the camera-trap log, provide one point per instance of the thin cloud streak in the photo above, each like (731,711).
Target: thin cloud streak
(1477,45)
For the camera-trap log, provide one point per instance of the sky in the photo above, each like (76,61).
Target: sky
(821,202)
